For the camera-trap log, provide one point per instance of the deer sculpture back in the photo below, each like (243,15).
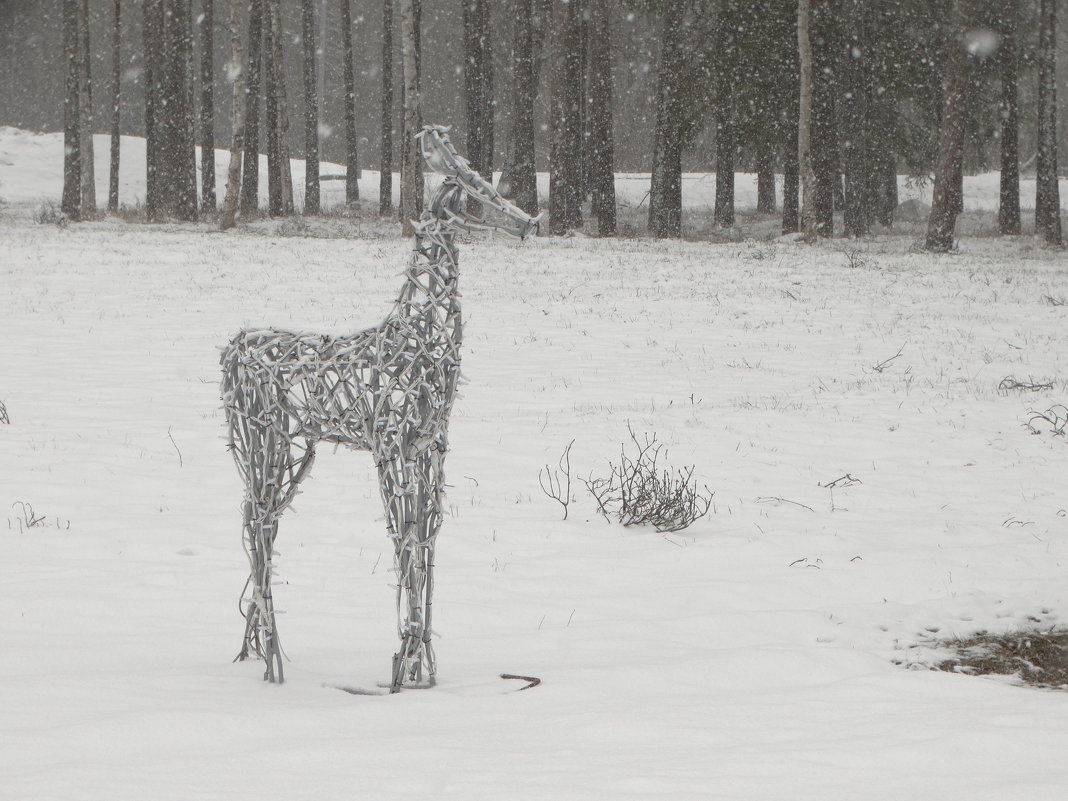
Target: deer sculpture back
(388,390)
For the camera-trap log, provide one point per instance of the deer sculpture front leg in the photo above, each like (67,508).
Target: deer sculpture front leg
(411,493)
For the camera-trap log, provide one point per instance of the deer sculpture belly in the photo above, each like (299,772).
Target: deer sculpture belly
(387,390)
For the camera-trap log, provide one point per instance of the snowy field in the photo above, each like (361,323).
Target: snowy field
(777,649)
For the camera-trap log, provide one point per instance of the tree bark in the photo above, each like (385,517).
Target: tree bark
(385,185)
(1009,190)
(765,158)
(352,155)
(116,82)
(522,176)
(411,180)
(665,189)
(804,130)
(237,72)
(1047,194)
(601,89)
(726,65)
(279,176)
(250,180)
(72,141)
(312,201)
(944,207)
(85,112)
(565,166)
(823,34)
(206,22)
(856,58)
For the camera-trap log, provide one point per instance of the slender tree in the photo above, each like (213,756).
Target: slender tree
(206,23)
(411,179)
(85,112)
(945,205)
(279,178)
(804,125)
(250,179)
(726,48)
(521,176)
(116,81)
(312,204)
(791,178)
(855,123)
(478,71)
(565,165)
(385,185)
(236,73)
(1009,194)
(665,191)
(826,67)
(602,146)
(72,166)
(352,156)
(1047,195)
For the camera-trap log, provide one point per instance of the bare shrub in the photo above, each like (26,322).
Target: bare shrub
(637,492)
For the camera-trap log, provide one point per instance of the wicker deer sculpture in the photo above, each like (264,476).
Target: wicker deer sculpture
(388,390)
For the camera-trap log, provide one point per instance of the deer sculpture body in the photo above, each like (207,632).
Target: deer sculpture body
(388,390)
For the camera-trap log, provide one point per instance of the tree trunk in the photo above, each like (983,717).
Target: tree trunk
(1047,194)
(385,185)
(602,150)
(85,112)
(856,57)
(765,158)
(116,81)
(250,180)
(279,177)
(72,140)
(411,180)
(944,207)
(352,155)
(237,73)
(1009,195)
(665,189)
(726,38)
(823,35)
(565,167)
(312,203)
(206,22)
(523,177)
(804,128)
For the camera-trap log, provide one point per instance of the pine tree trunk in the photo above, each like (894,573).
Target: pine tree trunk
(385,185)
(523,176)
(565,166)
(665,189)
(944,208)
(85,113)
(116,82)
(72,139)
(726,65)
(206,22)
(1047,193)
(352,156)
(804,130)
(856,56)
(1009,194)
(602,90)
(823,34)
(237,70)
(250,179)
(411,179)
(152,40)
(765,158)
(312,202)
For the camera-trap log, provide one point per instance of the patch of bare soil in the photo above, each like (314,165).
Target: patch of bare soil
(1039,659)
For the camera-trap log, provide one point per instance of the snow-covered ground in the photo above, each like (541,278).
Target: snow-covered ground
(763,653)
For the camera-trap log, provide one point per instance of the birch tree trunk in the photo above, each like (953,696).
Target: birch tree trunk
(237,75)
